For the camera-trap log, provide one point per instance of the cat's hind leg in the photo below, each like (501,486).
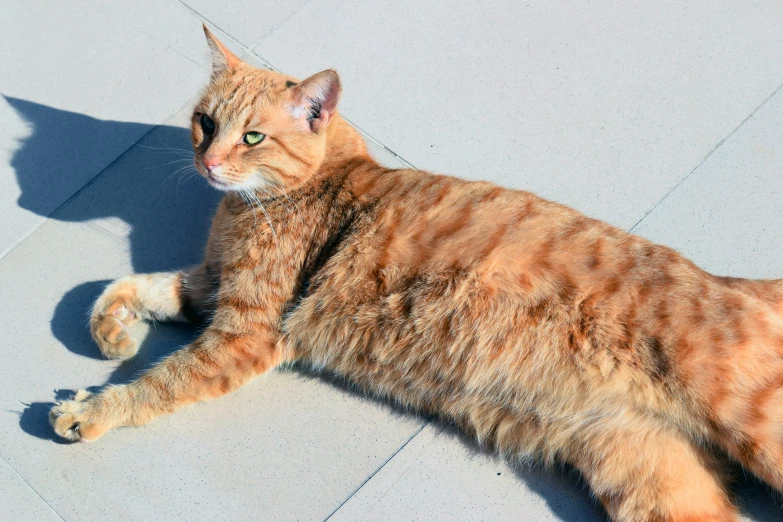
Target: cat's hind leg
(165,296)
(749,425)
(642,470)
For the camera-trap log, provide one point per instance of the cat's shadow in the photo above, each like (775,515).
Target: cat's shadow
(167,224)
(164,213)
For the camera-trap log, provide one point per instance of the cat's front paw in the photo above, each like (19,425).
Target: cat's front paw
(110,331)
(76,420)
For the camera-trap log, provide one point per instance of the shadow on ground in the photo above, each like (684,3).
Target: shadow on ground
(149,194)
(146,195)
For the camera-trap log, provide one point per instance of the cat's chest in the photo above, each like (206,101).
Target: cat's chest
(265,236)
(265,261)
(335,297)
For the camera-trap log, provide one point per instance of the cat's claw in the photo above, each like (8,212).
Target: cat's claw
(73,420)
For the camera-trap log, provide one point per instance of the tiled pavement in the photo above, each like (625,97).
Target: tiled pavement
(664,119)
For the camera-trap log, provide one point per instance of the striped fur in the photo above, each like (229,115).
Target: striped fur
(545,334)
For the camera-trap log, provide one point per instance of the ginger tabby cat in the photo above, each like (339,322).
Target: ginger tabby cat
(543,333)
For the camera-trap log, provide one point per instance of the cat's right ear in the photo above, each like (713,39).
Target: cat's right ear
(223,60)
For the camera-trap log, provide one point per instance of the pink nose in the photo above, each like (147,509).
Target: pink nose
(211,163)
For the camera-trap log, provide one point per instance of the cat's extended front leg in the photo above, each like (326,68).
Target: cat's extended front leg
(216,363)
(165,296)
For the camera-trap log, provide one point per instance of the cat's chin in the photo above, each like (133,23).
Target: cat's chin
(220,185)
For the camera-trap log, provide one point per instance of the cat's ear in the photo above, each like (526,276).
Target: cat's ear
(315,99)
(223,60)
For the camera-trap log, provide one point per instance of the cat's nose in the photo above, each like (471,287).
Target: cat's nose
(211,163)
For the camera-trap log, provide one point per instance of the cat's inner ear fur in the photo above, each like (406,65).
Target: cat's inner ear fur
(315,99)
(223,60)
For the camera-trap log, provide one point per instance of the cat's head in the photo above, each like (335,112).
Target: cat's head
(261,130)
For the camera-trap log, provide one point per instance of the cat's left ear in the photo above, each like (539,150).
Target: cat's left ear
(222,59)
(315,99)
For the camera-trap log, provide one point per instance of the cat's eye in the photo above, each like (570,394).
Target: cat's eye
(207,124)
(253,138)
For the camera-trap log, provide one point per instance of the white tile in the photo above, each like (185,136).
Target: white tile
(443,476)
(170,22)
(79,88)
(173,23)
(603,106)
(440,475)
(726,215)
(18,501)
(248,22)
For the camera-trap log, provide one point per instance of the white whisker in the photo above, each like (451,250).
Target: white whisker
(276,199)
(169,163)
(245,194)
(182,152)
(274,234)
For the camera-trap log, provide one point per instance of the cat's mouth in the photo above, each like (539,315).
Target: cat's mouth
(217,183)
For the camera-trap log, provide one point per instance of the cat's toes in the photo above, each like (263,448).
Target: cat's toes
(74,420)
(113,338)
(121,312)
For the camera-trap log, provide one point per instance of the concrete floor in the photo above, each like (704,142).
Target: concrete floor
(661,120)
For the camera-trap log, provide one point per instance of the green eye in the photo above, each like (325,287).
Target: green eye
(253,138)
(207,124)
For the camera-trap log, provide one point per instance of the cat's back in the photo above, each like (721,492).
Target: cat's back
(417,224)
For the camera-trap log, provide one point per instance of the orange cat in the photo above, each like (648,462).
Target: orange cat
(544,333)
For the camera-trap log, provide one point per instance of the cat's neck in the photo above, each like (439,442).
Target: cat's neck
(343,144)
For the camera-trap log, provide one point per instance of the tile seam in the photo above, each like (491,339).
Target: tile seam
(278,26)
(707,156)
(91,181)
(31,487)
(213,24)
(370,136)
(379,468)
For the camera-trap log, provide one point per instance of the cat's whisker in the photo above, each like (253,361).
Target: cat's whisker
(251,203)
(168,147)
(289,199)
(179,172)
(263,209)
(245,194)
(279,187)
(170,163)
(275,198)
(298,210)
(184,178)
(255,201)
(181,152)
(163,186)
(181,169)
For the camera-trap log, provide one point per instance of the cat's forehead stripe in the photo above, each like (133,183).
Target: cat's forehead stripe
(241,102)
(227,100)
